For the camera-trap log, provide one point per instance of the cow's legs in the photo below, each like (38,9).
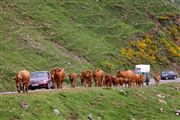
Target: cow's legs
(95,83)
(90,83)
(61,83)
(74,83)
(54,83)
(18,88)
(85,83)
(57,85)
(24,88)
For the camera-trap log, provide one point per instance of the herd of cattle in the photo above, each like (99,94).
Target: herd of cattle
(126,77)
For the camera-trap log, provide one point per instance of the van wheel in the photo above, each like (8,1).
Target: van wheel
(166,78)
(175,77)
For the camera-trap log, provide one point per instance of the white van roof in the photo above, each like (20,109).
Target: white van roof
(142,68)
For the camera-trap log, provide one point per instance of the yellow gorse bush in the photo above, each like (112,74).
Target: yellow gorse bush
(143,50)
(155,48)
(173,50)
(164,18)
(174,31)
(127,53)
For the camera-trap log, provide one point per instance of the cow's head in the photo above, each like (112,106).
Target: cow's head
(119,72)
(53,72)
(56,70)
(70,76)
(157,75)
(88,74)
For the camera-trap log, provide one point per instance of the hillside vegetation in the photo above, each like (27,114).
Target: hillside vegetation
(145,103)
(84,34)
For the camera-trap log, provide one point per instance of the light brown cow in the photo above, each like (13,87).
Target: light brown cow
(127,75)
(22,80)
(138,80)
(98,77)
(86,78)
(72,78)
(157,78)
(57,75)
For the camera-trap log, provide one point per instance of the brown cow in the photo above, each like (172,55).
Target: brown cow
(86,78)
(98,77)
(22,80)
(127,75)
(107,80)
(138,79)
(57,75)
(157,78)
(72,78)
(117,81)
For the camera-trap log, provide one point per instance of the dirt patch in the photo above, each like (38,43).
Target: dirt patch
(70,54)
(73,115)
(27,40)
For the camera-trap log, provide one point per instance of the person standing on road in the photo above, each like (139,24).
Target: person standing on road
(147,80)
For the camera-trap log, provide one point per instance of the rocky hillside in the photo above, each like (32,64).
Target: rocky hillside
(109,34)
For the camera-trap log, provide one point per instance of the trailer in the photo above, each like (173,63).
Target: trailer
(143,70)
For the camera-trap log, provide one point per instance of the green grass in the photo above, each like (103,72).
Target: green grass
(105,103)
(91,31)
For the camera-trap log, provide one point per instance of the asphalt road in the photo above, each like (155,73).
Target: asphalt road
(67,88)
(165,81)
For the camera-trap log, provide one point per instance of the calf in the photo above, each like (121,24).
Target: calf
(72,78)
(108,80)
(139,79)
(157,78)
(117,81)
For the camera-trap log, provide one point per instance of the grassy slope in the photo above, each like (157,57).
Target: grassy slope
(106,103)
(91,30)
